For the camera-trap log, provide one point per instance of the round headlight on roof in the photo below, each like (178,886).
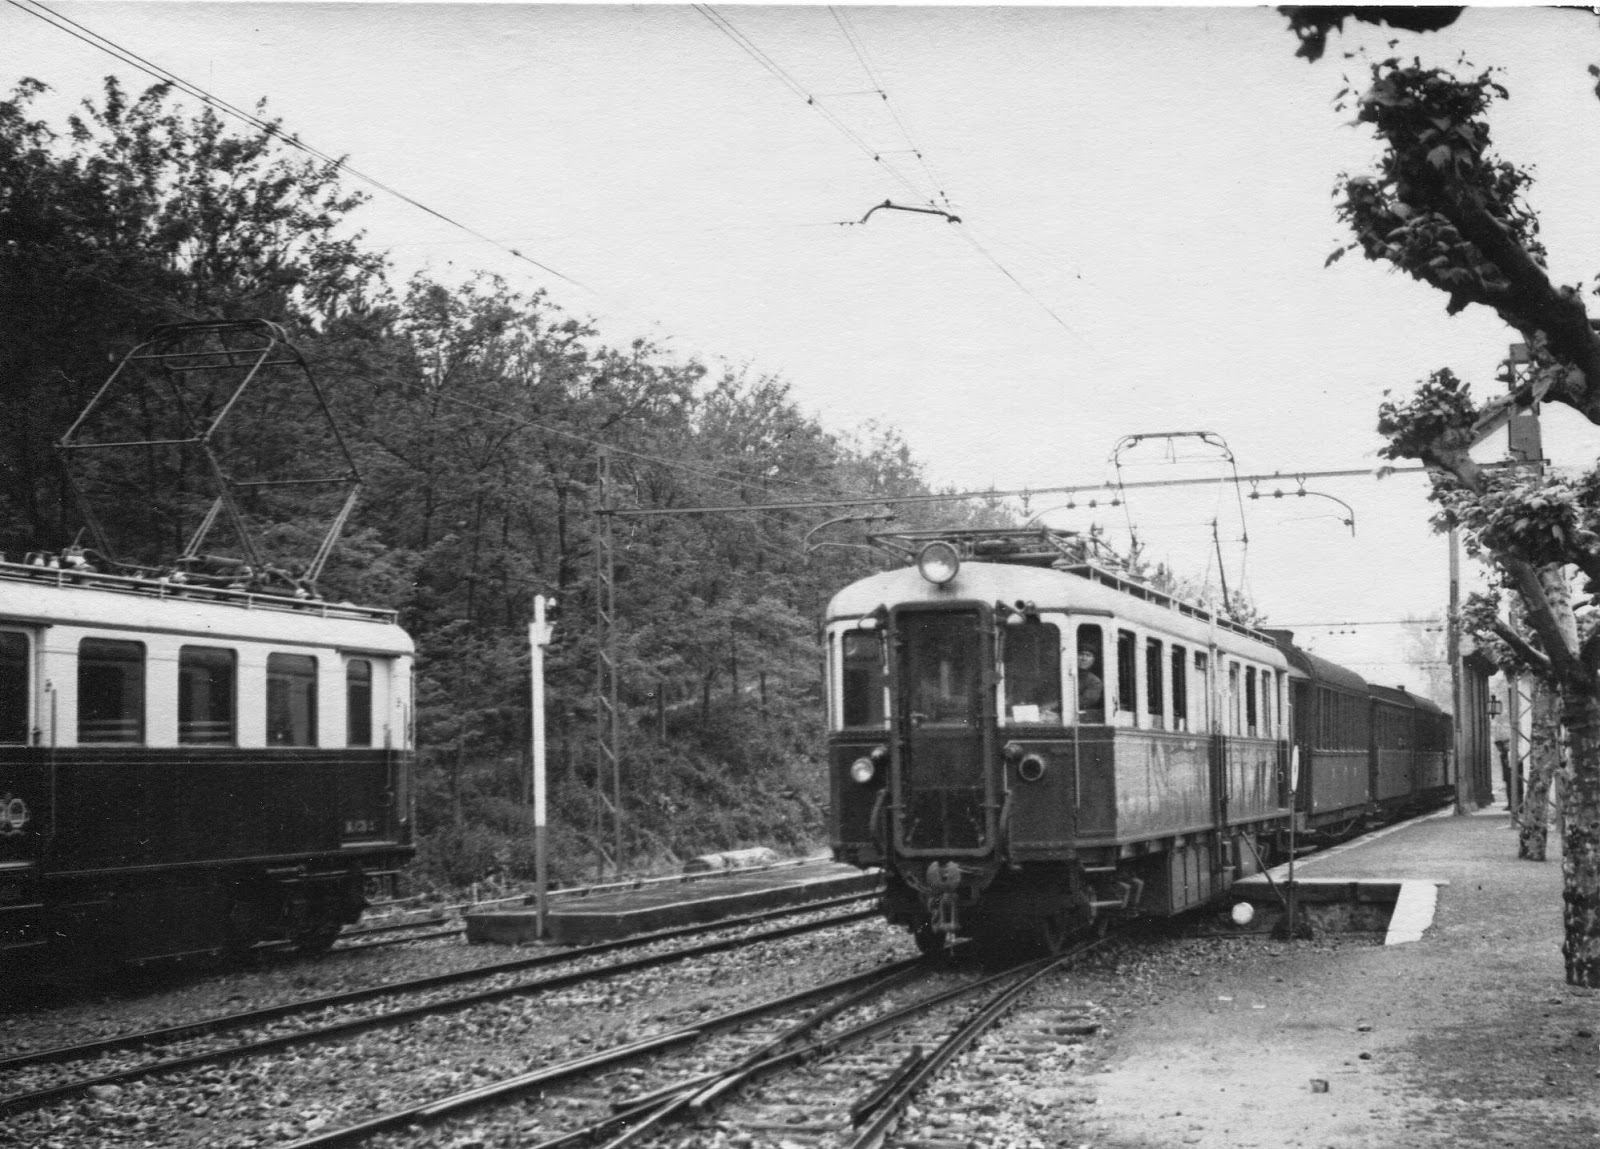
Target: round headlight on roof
(938,562)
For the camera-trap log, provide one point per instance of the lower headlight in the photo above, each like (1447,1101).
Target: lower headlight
(862,769)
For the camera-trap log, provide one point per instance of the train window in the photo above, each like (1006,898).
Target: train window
(1091,675)
(1180,688)
(1155,696)
(358,702)
(863,678)
(943,667)
(1202,706)
(13,686)
(1251,709)
(1032,666)
(110,690)
(205,695)
(291,700)
(1235,719)
(1269,702)
(1127,674)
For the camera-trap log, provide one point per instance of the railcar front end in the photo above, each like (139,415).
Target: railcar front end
(1033,747)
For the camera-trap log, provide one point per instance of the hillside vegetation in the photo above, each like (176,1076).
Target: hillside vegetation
(476,413)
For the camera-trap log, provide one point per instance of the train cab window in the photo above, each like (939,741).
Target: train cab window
(1202,702)
(1154,694)
(942,667)
(110,691)
(1091,675)
(1127,674)
(291,700)
(862,678)
(1269,705)
(1032,665)
(1180,688)
(358,702)
(1251,710)
(13,686)
(205,696)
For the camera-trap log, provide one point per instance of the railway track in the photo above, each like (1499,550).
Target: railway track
(596,1099)
(175,1047)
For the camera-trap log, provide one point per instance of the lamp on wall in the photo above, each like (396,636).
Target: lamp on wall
(1494,706)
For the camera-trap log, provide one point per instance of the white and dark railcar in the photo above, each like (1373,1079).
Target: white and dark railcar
(188,769)
(1028,743)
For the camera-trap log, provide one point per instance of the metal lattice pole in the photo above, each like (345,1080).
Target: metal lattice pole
(607,718)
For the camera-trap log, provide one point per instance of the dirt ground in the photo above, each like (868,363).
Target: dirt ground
(1467,1037)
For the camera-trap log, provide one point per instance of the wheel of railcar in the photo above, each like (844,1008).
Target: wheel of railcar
(317,940)
(1055,932)
(929,940)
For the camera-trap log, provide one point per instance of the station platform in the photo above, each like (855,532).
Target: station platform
(696,897)
(1467,1035)
(1363,885)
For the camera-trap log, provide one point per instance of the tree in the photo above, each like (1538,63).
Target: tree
(1446,210)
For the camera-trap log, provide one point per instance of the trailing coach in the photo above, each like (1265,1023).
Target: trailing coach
(1029,742)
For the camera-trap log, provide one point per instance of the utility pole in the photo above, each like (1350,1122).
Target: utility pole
(1464,803)
(539,632)
(607,718)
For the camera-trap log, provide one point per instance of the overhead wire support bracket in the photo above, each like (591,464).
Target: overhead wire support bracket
(890,205)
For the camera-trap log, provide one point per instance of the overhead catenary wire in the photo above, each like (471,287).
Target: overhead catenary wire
(127,56)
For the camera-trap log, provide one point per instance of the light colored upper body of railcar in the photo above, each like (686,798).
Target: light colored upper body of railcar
(1163,663)
(102,660)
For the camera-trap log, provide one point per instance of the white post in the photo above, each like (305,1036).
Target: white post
(539,632)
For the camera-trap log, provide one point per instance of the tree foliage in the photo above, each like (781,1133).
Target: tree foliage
(475,412)
(1442,207)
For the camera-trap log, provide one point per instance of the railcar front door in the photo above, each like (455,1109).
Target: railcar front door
(944,797)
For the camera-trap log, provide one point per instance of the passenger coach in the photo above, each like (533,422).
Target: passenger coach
(189,768)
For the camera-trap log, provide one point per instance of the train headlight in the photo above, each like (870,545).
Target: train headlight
(938,562)
(1031,768)
(862,769)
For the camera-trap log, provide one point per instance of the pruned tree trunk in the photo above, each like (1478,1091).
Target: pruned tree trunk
(1580,862)
(1544,759)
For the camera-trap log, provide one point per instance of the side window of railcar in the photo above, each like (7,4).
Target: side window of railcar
(863,678)
(13,686)
(1127,674)
(110,690)
(1155,696)
(291,700)
(1180,688)
(358,702)
(205,696)
(1202,666)
(1032,663)
(1235,718)
(1251,710)
(1091,675)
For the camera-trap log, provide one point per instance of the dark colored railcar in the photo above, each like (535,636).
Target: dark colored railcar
(186,769)
(1410,751)
(1026,742)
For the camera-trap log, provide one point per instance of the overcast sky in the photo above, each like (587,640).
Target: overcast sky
(1145,204)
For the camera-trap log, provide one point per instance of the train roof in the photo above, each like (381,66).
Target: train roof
(1077,588)
(53,596)
(1400,696)
(1319,669)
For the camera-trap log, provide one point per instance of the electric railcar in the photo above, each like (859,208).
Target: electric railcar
(1026,742)
(188,769)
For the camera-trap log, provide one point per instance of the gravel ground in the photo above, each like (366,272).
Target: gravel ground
(1468,1037)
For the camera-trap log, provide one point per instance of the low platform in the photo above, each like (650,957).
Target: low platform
(613,913)
(1376,896)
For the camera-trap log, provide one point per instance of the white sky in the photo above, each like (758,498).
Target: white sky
(1158,179)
